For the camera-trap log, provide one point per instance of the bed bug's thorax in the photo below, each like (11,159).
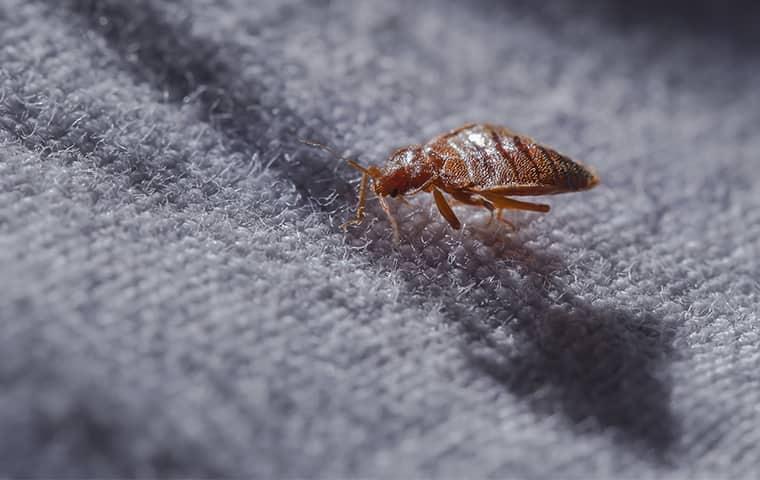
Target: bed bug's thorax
(406,171)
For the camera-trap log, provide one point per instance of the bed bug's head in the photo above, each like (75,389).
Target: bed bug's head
(405,170)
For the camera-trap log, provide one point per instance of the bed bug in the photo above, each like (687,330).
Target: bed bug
(477,164)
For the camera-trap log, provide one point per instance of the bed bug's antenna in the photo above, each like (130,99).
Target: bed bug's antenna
(331,151)
(368,173)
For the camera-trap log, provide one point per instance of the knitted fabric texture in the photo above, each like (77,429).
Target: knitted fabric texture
(176,297)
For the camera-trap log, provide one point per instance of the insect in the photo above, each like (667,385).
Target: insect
(477,164)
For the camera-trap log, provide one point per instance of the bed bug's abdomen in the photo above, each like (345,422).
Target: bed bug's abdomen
(484,156)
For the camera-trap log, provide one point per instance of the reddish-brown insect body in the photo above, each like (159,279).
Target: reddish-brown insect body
(477,164)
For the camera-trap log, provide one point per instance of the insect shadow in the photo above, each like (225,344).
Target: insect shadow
(604,369)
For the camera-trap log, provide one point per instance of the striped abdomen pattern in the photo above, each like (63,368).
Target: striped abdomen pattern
(484,156)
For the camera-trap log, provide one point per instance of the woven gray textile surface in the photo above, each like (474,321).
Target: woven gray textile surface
(176,297)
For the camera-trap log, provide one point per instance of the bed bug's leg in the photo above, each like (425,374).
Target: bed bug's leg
(446,210)
(497,214)
(470,199)
(474,200)
(359,217)
(464,199)
(403,200)
(425,187)
(478,201)
(391,219)
(501,202)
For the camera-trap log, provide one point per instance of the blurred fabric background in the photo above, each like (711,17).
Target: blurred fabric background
(176,297)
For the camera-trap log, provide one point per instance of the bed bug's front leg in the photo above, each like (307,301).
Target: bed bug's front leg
(391,219)
(425,187)
(359,217)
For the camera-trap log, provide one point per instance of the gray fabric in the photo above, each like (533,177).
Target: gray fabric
(176,297)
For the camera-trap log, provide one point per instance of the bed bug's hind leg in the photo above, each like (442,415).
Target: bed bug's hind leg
(359,217)
(469,199)
(497,214)
(502,202)
(446,210)
(479,201)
